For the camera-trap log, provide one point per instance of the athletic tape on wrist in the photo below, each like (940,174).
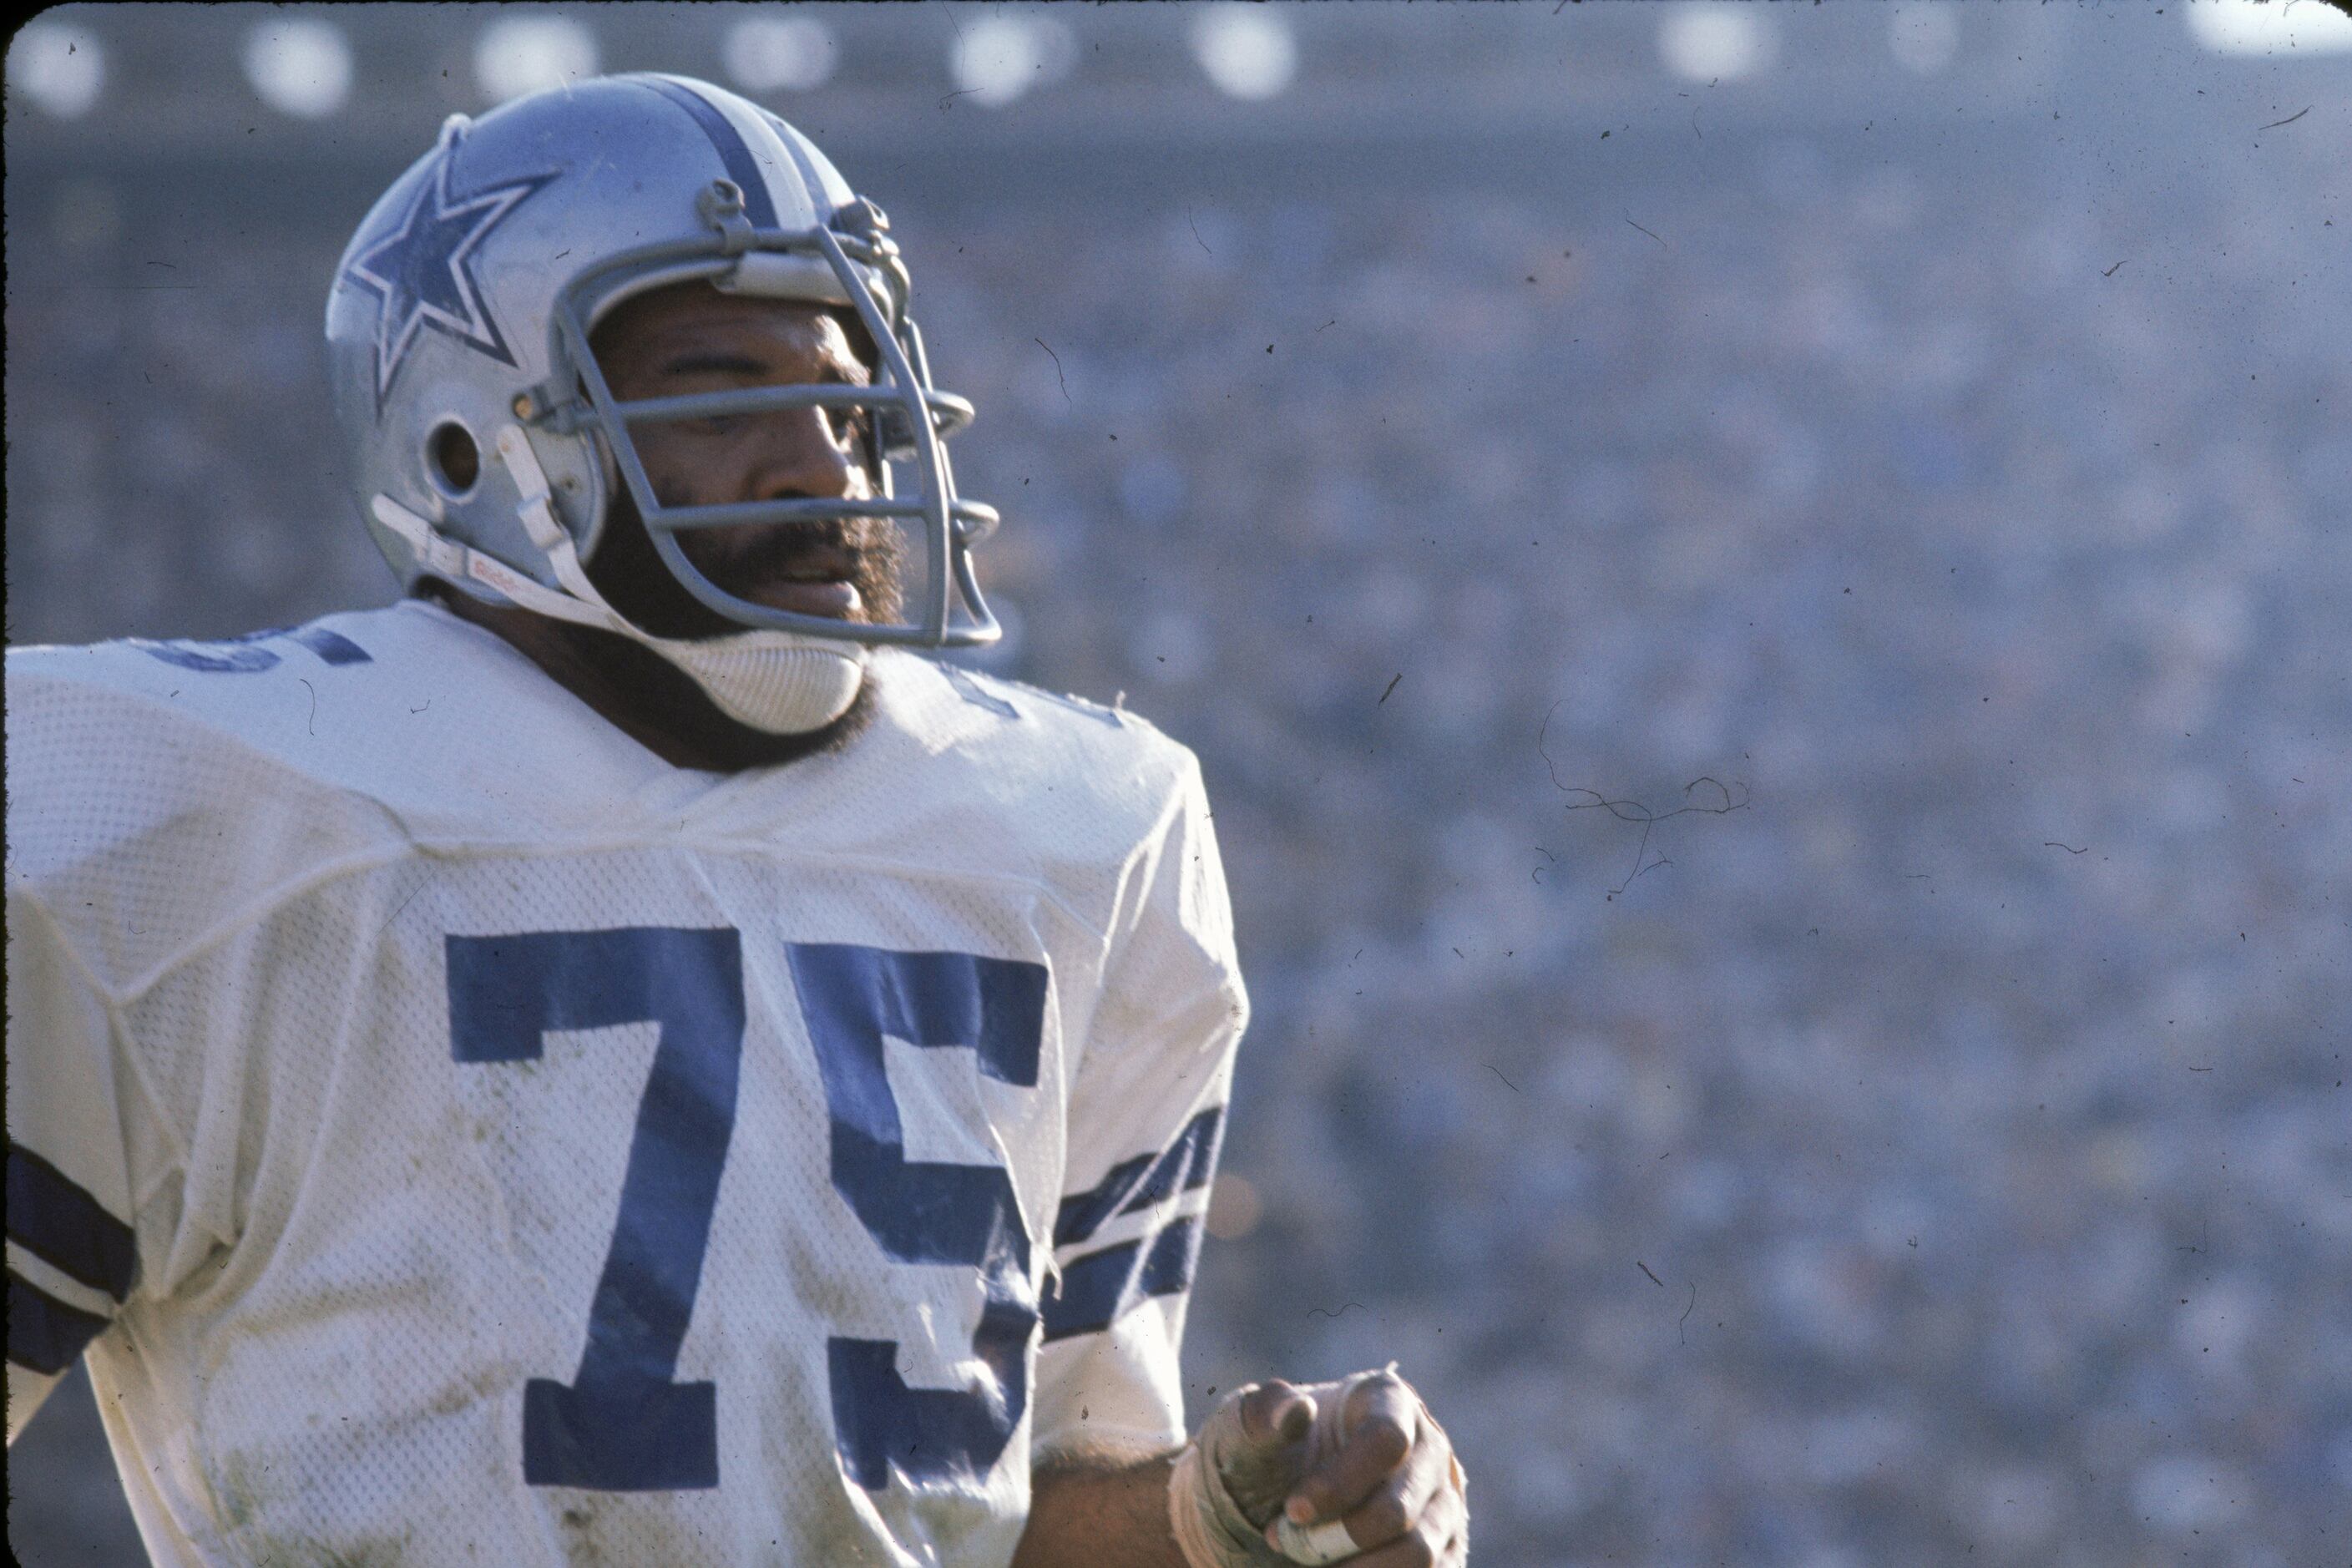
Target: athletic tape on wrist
(1209,1530)
(1212,1526)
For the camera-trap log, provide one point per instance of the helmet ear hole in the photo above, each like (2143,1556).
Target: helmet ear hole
(452,460)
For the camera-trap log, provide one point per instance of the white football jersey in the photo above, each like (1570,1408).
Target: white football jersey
(457,1135)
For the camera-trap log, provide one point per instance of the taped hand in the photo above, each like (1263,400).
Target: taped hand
(1355,1470)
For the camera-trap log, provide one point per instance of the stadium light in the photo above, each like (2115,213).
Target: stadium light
(516,54)
(998,59)
(794,54)
(299,66)
(1924,36)
(60,67)
(1714,42)
(2242,27)
(1246,52)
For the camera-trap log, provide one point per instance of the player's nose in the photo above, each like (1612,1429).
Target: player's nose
(800,460)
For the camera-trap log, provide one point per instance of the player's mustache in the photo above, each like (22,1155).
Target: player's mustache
(781,546)
(865,551)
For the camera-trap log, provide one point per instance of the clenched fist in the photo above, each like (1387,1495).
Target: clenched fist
(1357,1469)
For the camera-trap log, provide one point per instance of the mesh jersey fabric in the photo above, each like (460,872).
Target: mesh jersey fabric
(458,1135)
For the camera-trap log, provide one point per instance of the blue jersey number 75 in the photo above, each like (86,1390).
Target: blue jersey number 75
(622,1424)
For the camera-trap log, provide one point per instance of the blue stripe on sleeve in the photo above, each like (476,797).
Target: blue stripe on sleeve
(67,1229)
(45,1335)
(332,647)
(1190,1162)
(1145,1180)
(1083,1214)
(1098,1289)
(1169,1264)
(1091,1289)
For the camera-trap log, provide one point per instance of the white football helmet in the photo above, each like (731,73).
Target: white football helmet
(485,443)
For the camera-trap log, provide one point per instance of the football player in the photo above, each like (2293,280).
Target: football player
(620,1057)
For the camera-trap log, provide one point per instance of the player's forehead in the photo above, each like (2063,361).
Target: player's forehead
(693,319)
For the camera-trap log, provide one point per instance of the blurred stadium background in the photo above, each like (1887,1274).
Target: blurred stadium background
(1923,423)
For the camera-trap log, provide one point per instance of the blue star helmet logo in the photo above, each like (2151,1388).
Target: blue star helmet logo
(424,268)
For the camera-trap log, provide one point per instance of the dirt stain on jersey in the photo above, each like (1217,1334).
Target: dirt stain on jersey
(489,1383)
(238,1499)
(581,1545)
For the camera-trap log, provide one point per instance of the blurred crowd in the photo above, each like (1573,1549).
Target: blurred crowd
(1780,743)
(1782,759)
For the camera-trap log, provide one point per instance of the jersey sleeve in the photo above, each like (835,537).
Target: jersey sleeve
(1146,1115)
(72,1256)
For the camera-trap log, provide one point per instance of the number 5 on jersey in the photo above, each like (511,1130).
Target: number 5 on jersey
(622,1424)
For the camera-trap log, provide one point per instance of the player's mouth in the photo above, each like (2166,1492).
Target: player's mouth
(807,579)
(845,571)
(835,596)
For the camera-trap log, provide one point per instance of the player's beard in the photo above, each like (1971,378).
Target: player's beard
(634,579)
(636,582)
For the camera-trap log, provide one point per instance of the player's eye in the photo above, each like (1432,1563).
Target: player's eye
(851,427)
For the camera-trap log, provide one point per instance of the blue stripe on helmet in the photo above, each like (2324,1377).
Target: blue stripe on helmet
(741,166)
(820,198)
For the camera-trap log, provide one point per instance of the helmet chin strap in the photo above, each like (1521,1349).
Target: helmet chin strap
(778,682)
